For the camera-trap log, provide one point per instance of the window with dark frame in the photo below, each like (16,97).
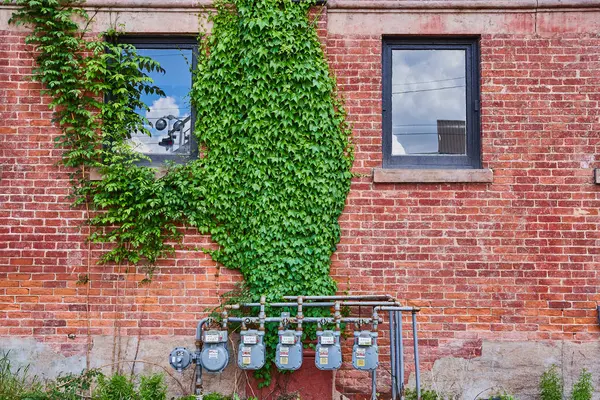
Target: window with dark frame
(170,117)
(431,103)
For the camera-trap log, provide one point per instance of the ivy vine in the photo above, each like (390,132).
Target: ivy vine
(276,156)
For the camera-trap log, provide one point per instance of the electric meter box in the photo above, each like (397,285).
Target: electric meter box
(365,353)
(328,352)
(214,356)
(288,355)
(180,358)
(251,354)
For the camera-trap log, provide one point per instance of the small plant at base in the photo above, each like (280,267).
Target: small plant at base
(583,388)
(117,387)
(426,394)
(152,388)
(551,384)
(16,384)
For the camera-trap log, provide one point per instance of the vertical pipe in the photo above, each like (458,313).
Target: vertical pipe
(225,317)
(375,319)
(198,369)
(374,384)
(393,354)
(299,315)
(198,379)
(400,358)
(261,314)
(416,349)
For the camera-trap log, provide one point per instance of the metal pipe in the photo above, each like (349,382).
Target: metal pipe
(394,308)
(374,384)
(392,324)
(198,372)
(416,350)
(299,315)
(199,328)
(337,315)
(322,320)
(375,319)
(198,368)
(400,353)
(261,314)
(238,306)
(224,321)
(322,304)
(385,297)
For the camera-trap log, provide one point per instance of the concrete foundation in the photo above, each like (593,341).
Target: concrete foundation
(511,367)
(46,363)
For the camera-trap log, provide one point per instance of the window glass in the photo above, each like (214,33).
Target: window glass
(431,103)
(428,102)
(170,117)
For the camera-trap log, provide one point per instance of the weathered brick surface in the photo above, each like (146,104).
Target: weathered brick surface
(517,259)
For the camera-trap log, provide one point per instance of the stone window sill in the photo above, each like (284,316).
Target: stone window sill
(381,175)
(597,176)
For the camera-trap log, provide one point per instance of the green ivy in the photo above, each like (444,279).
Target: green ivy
(277,155)
(276,159)
(78,75)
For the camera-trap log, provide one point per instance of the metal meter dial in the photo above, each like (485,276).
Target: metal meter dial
(251,354)
(288,355)
(180,358)
(214,356)
(328,352)
(365,353)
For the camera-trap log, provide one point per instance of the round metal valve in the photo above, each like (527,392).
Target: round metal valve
(180,358)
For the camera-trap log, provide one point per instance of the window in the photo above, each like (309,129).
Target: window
(431,103)
(170,117)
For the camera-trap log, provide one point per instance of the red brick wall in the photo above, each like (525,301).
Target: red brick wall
(517,259)
(43,248)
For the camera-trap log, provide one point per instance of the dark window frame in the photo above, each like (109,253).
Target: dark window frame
(472,159)
(152,42)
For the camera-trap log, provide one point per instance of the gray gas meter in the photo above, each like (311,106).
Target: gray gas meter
(328,352)
(288,355)
(214,356)
(251,354)
(181,358)
(365,353)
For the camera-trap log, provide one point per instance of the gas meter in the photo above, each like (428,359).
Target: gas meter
(328,352)
(288,355)
(215,355)
(181,358)
(365,353)
(251,354)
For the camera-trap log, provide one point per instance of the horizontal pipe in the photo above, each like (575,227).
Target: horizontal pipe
(327,320)
(385,297)
(394,308)
(317,304)
(320,304)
